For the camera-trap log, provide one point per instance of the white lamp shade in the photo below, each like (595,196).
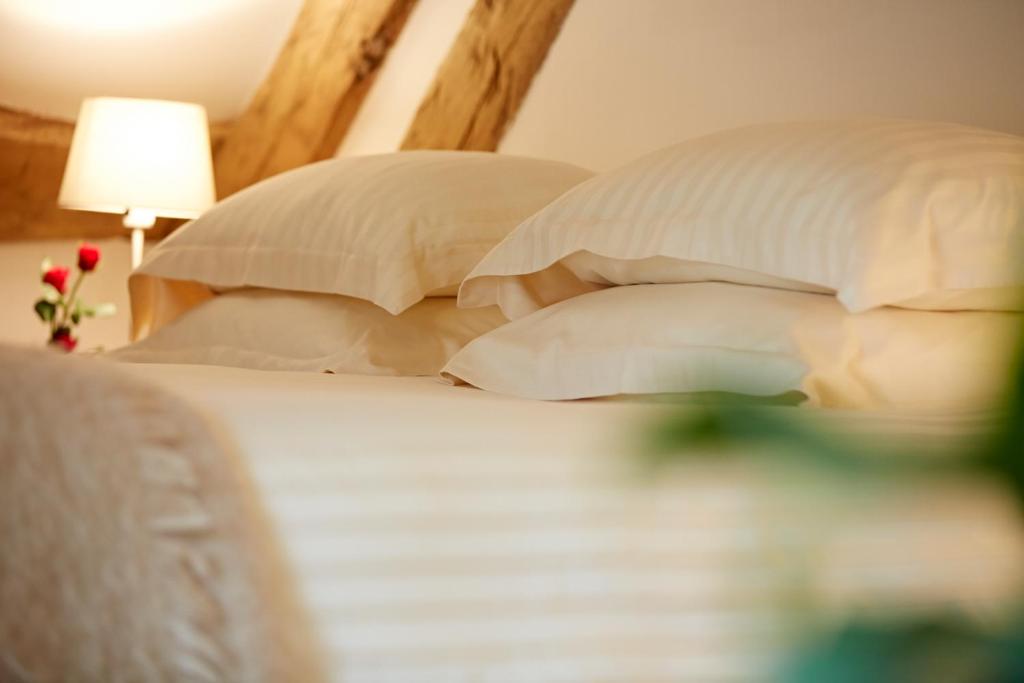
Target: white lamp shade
(152,155)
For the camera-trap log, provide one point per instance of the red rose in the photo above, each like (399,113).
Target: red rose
(57,277)
(62,338)
(88,257)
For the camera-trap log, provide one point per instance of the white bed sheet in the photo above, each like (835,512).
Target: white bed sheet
(444,534)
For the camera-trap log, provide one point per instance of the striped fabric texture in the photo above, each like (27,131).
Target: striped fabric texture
(391,228)
(449,535)
(881,212)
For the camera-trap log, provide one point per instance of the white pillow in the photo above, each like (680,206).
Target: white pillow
(276,330)
(882,212)
(647,339)
(390,229)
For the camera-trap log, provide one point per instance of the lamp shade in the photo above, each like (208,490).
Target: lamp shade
(151,155)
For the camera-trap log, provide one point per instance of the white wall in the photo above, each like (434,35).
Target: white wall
(53,53)
(20,287)
(624,78)
(405,77)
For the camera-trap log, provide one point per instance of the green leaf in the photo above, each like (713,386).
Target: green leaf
(50,294)
(727,425)
(935,647)
(784,436)
(1005,456)
(104,310)
(84,310)
(46,310)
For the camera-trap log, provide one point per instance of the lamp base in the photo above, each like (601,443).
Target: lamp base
(138,240)
(138,220)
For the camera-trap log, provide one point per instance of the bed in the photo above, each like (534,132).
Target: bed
(437,523)
(444,533)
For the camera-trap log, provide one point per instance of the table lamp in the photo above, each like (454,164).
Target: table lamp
(140,158)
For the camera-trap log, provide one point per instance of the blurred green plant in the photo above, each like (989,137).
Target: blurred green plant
(931,648)
(942,649)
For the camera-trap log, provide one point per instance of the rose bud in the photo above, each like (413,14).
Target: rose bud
(62,338)
(88,257)
(57,277)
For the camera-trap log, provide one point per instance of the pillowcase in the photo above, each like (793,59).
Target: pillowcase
(276,330)
(390,229)
(881,212)
(648,339)
(697,337)
(920,361)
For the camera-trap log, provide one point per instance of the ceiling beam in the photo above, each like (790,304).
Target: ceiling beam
(33,152)
(299,114)
(305,105)
(17,126)
(487,73)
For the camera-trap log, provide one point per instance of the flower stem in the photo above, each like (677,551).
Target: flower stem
(70,299)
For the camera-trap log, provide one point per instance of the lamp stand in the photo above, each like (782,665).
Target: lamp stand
(138,220)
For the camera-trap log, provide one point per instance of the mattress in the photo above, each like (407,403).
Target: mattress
(446,534)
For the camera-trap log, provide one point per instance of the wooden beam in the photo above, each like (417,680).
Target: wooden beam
(18,126)
(304,107)
(487,73)
(33,152)
(299,114)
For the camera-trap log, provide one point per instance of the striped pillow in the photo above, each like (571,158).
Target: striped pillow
(390,229)
(881,212)
(269,329)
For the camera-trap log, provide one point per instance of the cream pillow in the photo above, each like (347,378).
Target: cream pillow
(710,336)
(390,229)
(882,212)
(648,339)
(912,360)
(276,330)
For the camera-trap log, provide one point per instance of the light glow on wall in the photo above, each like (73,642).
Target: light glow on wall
(55,53)
(113,15)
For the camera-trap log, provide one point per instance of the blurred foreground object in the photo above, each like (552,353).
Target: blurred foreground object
(884,642)
(134,548)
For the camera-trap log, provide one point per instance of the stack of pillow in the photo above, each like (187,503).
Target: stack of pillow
(869,264)
(346,265)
